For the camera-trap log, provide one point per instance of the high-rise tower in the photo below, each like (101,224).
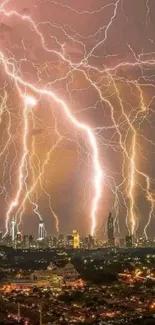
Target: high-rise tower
(69,241)
(76,239)
(129,241)
(13,229)
(41,231)
(18,240)
(110,230)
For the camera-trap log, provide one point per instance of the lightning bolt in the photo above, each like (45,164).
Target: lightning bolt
(15,202)
(110,88)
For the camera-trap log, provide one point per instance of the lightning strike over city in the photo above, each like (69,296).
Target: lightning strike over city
(77,116)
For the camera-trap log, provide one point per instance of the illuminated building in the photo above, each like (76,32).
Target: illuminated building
(41,231)
(91,242)
(18,240)
(26,242)
(23,284)
(61,241)
(19,237)
(68,273)
(84,243)
(55,242)
(31,241)
(44,243)
(110,230)
(51,274)
(69,241)
(52,242)
(76,239)
(13,229)
(88,242)
(142,242)
(129,241)
(7,240)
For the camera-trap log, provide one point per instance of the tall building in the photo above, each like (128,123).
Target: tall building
(76,239)
(26,242)
(141,242)
(7,240)
(50,242)
(55,242)
(31,241)
(69,241)
(19,237)
(13,229)
(110,230)
(41,231)
(129,241)
(61,241)
(18,240)
(91,242)
(87,242)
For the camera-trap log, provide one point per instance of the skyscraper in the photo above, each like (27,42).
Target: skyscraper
(61,241)
(8,240)
(110,230)
(76,239)
(129,241)
(91,242)
(41,231)
(31,241)
(13,229)
(18,240)
(26,242)
(69,241)
(19,237)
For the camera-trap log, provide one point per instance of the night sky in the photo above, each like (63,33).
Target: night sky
(117,38)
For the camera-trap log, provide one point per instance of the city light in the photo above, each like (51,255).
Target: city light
(77,151)
(101,104)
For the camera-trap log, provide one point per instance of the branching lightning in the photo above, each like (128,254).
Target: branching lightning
(120,88)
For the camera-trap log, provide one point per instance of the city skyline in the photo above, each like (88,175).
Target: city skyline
(74,240)
(77,116)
